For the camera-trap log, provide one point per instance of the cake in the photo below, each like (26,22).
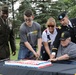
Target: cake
(29,63)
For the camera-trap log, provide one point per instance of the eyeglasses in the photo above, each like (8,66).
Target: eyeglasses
(28,20)
(51,26)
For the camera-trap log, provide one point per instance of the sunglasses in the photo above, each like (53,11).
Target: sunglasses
(51,26)
(28,20)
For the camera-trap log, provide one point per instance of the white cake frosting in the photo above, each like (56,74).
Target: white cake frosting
(29,63)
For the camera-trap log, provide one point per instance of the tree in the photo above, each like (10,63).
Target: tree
(45,9)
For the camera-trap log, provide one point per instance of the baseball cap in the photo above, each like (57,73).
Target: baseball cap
(65,35)
(62,15)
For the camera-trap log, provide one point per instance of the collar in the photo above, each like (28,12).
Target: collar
(70,24)
(29,25)
(48,33)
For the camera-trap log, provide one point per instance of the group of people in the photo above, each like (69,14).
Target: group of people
(62,40)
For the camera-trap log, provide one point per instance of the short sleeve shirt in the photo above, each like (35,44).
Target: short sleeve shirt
(30,34)
(70,50)
(52,36)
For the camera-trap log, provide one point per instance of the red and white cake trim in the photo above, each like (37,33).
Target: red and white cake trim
(29,63)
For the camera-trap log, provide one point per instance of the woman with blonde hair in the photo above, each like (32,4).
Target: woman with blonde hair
(48,37)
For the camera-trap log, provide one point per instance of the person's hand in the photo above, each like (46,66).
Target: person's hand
(52,60)
(38,53)
(52,56)
(13,53)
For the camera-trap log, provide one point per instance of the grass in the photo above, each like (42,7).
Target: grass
(17,50)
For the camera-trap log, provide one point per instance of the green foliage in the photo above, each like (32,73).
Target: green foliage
(72,11)
(24,5)
(43,11)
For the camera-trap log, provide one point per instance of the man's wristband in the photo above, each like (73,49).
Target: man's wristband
(54,49)
(53,53)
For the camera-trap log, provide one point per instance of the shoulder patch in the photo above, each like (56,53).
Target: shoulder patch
(59,27)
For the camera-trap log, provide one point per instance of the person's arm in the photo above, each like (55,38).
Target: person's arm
(30,48)
(63,57)
(46,48)
(45,43)
(39,46)
(39,40)
(12,42)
